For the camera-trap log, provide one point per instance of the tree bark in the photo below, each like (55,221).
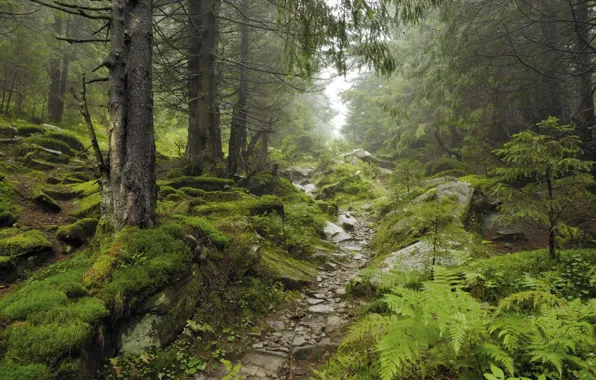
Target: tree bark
(586,96)
(10,91)
(129,195)
(54,102)
(237,145)
(204,135)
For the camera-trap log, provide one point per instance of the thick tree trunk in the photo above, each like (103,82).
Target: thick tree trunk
(204,135)
(237,145)
(197,133)
(130,193)
(4,85)
(55,104)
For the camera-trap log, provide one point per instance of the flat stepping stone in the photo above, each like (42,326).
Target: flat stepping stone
(321,309)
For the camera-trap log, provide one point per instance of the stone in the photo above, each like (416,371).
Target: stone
(330,266)
(314,352)
(321,309)
(462,190)
(309,189)
(277,325)
(347,222)
(314,301)
(333,323)
(268,360)
(340,291)
(258,345)
(316,327)
(47,203)
(335,233)
(298,341)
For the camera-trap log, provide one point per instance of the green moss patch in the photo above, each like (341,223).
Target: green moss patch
(205,230)
(28,130)
(88,206)
(71,140)
(291,272)
(46,202)
(203,183)
(9,208)
(15,243)
(50,143)
(78,233)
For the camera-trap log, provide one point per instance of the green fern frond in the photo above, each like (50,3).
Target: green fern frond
(497,354)
(528,300)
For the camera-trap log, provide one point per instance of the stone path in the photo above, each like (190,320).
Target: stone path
(303,335)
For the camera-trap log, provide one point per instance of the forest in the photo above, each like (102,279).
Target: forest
(297,189)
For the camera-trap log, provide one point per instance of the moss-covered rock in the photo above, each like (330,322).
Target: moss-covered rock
(88,206)
(174,197)
(164,191)
(192,192)
(78,233)
(445,165)
(293,273)
(203,183)
(39,164)
(9,209)
(205,231)
(71,140)
(29,130)
(50,143)
(329,208)
(48,156)
(23,244)
(46,202)
(222,196)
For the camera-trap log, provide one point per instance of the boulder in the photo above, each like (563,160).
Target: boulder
(413,257)
(369,158)
(347,222)
(495,230)
(46,202)
(78,233)
(297,173)
(159,320)
(462,190)
(335,233)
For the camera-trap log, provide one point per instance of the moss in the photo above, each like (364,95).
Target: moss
(203,183)
(12,370)
(50,143)
(480,182)
(347,183)
(68,138)
(291,272)
(9,209)
(205,230)
(222,196)
(24,243)
(46,202)
(86,188)
(28,130)
(88,206)
(46,156)
(49,318)
(78,233)
(148,260)
(329,208)
(164,191)
(40,164)
(191,191)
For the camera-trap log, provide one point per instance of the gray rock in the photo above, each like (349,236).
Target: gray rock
(333,323)
(268,360)
(321,309)
(316,327)
(298,341)
(314,352)
(258,345)
(340,291)
(314,301)
(335,233)
(277,325)
(462,190)
(347,222)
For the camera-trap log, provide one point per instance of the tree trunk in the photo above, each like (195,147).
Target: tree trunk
(586,96)
(10,91)
(54,108)
(129,195)
(204,135)
(4,85)
(552,222)
(63,85)
(237,145)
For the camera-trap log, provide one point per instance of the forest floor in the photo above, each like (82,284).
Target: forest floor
(304,333)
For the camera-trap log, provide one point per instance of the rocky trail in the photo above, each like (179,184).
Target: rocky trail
(303,334)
